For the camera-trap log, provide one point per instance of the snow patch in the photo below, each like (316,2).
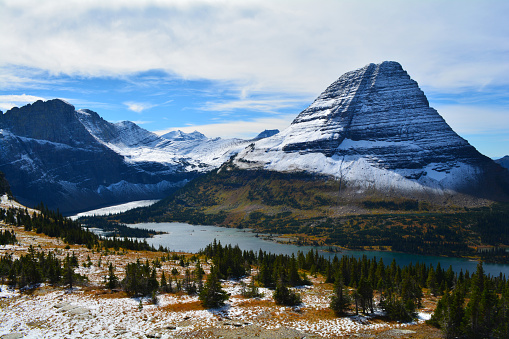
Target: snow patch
(115,209)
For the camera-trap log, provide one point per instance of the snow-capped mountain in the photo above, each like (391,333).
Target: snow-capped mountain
(374,128)
(267,133)
(193,150)
(178,135)
(48,155)
(75,160)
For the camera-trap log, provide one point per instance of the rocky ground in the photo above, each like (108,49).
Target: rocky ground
(90,311)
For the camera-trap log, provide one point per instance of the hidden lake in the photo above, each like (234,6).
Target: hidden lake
(184,237)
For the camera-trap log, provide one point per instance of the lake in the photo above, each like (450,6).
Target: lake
(191,238)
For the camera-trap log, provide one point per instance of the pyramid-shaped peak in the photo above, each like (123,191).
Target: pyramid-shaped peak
(373,126)
(379,102)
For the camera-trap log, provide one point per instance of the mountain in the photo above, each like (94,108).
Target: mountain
(182,136)
(371,134)
(65,158)
(267,133)
(374,129)
(370,143)
(75,160)
(504,161)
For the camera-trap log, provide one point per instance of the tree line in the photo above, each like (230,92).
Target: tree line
(54,224)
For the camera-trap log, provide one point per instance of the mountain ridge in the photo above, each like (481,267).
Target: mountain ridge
(48,155)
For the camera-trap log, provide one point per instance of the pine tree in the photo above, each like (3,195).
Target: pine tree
(68,272)
(112,278)
(431,282)
(474,317)
(212,294)
(164,283)
(340,301)
(449,314)
(284,296)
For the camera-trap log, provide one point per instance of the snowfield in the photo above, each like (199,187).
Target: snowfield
(115,209)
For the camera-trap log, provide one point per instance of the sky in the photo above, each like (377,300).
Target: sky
(234,68)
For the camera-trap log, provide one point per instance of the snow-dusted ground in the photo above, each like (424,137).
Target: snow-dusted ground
(92,312)
(115,209)
(5,202)
(59,314)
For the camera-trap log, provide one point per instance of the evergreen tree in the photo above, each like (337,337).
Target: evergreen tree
(431,282)
(449,314)
(212,294)
(284,296)
(340,301)
(69,278)
(164,283)
(112,278)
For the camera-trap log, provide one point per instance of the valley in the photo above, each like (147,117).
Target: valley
(369,165)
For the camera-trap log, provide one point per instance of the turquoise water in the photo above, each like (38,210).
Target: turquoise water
(192,238)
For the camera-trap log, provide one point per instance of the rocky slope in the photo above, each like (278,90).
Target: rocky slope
(374,129)
(74,160)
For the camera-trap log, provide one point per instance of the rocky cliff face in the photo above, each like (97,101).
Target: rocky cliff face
(4,185)
(374,128)
(49,155)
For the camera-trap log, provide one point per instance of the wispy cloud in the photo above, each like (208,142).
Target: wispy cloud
(138,107)
(9,101)
(237,129)
(259,105)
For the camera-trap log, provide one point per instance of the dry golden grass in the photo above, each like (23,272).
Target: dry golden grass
(256,303)
(184,307)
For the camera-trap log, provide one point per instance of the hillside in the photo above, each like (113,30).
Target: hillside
(4,185)
(312,210)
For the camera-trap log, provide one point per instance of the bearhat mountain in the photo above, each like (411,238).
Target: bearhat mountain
(374,128)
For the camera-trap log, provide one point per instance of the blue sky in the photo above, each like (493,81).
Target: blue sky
(234,68)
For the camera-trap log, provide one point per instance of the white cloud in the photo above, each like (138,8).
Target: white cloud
(237,129)
(138,107)
(9,101)
(467,119)
(287,46)
(259,105)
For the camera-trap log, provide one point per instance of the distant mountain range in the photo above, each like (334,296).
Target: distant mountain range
(504,161)
(372,130)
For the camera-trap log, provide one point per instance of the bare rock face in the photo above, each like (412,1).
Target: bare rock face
(4,185)
(374,128)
